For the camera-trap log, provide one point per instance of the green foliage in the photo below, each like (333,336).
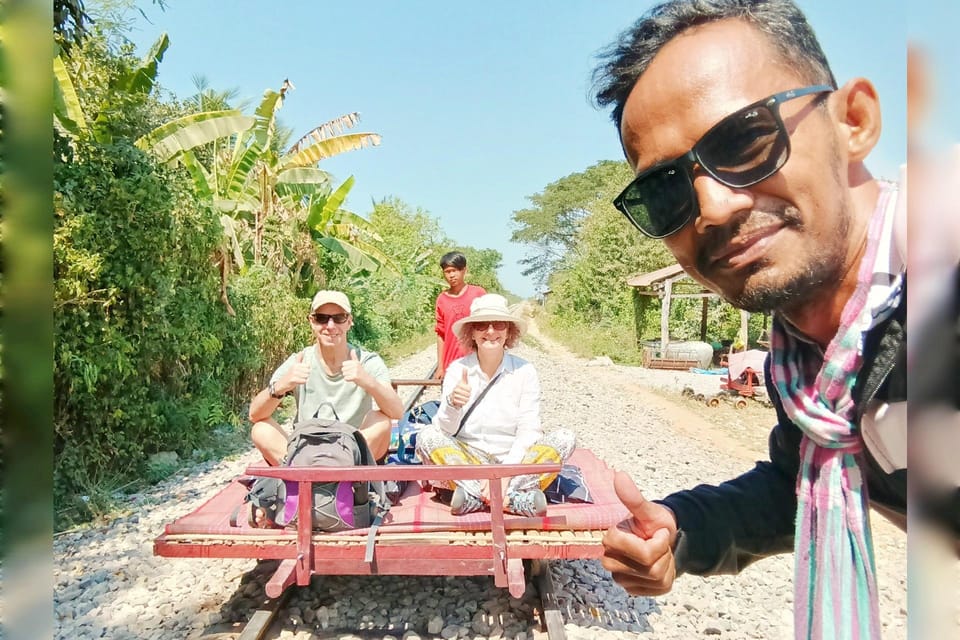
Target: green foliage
(482,267)
(551,226)
(397,307)
(157,351)
(70,22)
(589,283)
(146,359)
(590,339)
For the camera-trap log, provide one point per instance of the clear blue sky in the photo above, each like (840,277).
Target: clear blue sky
(480,105)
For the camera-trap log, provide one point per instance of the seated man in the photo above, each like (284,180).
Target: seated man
(330,379)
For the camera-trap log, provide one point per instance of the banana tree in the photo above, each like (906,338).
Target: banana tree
(247,179)
(336,229)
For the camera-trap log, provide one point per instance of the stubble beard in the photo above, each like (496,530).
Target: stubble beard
(822,268)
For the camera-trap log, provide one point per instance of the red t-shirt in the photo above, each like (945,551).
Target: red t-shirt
(449,310)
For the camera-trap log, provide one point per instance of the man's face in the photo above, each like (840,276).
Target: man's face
(330,333)
(776,243)
(453,276)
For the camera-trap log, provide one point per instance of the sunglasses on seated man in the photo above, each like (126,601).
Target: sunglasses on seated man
(744,148)
(324,318)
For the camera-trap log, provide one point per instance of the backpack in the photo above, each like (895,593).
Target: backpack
(404,434)
(336,505)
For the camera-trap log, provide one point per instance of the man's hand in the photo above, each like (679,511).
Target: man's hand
(353,371)
(296,375)
(438,375)
(461,393)
(639,550)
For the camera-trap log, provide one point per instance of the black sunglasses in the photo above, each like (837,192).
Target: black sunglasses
(744,148)
(483,325)
(324,318)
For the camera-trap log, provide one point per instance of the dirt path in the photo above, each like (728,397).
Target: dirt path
(685,416)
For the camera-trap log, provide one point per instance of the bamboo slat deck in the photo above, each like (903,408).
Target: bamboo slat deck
(419,535)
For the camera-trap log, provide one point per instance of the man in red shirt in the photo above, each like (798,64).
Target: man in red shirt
(452,304)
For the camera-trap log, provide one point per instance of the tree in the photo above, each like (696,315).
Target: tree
(70,22)
(94,110)
(256,187)
(550,226)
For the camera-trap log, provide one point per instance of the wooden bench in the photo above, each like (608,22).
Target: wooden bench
(679,364)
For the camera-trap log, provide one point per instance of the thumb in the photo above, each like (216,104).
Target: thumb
(300,357)
(647,516)
(464,378)
(353,355)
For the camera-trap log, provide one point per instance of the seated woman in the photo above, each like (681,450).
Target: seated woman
(490,413)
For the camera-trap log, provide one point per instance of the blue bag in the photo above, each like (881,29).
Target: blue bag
(568,486)
(403,436)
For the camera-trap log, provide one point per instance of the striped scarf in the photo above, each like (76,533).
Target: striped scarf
(834,582)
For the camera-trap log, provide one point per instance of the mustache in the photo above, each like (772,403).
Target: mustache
(718,237)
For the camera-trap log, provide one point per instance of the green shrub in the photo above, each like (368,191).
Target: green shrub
(146,358)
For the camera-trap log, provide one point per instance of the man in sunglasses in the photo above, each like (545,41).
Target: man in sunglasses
(330,379)
(749,164)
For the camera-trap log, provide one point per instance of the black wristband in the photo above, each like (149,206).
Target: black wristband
(272,388)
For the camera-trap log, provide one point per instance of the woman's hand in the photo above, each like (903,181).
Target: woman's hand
(461,393)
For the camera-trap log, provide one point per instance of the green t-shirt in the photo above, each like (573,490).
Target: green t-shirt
(323,394)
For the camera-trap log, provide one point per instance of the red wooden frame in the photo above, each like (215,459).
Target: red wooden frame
(491,543)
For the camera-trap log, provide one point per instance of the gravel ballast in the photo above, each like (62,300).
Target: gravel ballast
(110,585)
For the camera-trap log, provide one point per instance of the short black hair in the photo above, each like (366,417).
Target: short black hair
(781,21)
(453,259)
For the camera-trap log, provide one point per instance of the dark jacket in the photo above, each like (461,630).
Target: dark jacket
(727,527)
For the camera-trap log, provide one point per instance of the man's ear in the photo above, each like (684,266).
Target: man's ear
(858,114)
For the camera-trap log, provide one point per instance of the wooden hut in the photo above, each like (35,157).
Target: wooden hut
(667,284)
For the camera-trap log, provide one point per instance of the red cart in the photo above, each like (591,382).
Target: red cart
(419,536)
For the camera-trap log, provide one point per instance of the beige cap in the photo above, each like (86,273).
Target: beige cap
(336,297)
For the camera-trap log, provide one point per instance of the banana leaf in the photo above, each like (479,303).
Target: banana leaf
(191,131)
(66,104)
(141,79)
(328,148)
(329,129)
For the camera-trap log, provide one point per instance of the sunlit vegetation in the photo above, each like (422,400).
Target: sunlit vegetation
(189,237)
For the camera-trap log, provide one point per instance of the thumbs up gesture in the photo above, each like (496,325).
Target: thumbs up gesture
(352,370)
(638,551)
(461,393)
(296,375)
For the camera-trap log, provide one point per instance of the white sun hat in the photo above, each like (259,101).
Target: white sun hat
(487,308)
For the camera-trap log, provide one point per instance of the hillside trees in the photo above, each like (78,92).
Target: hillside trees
(550,226)
(584,250)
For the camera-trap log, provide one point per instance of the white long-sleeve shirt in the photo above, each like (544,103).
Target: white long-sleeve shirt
(507,421)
